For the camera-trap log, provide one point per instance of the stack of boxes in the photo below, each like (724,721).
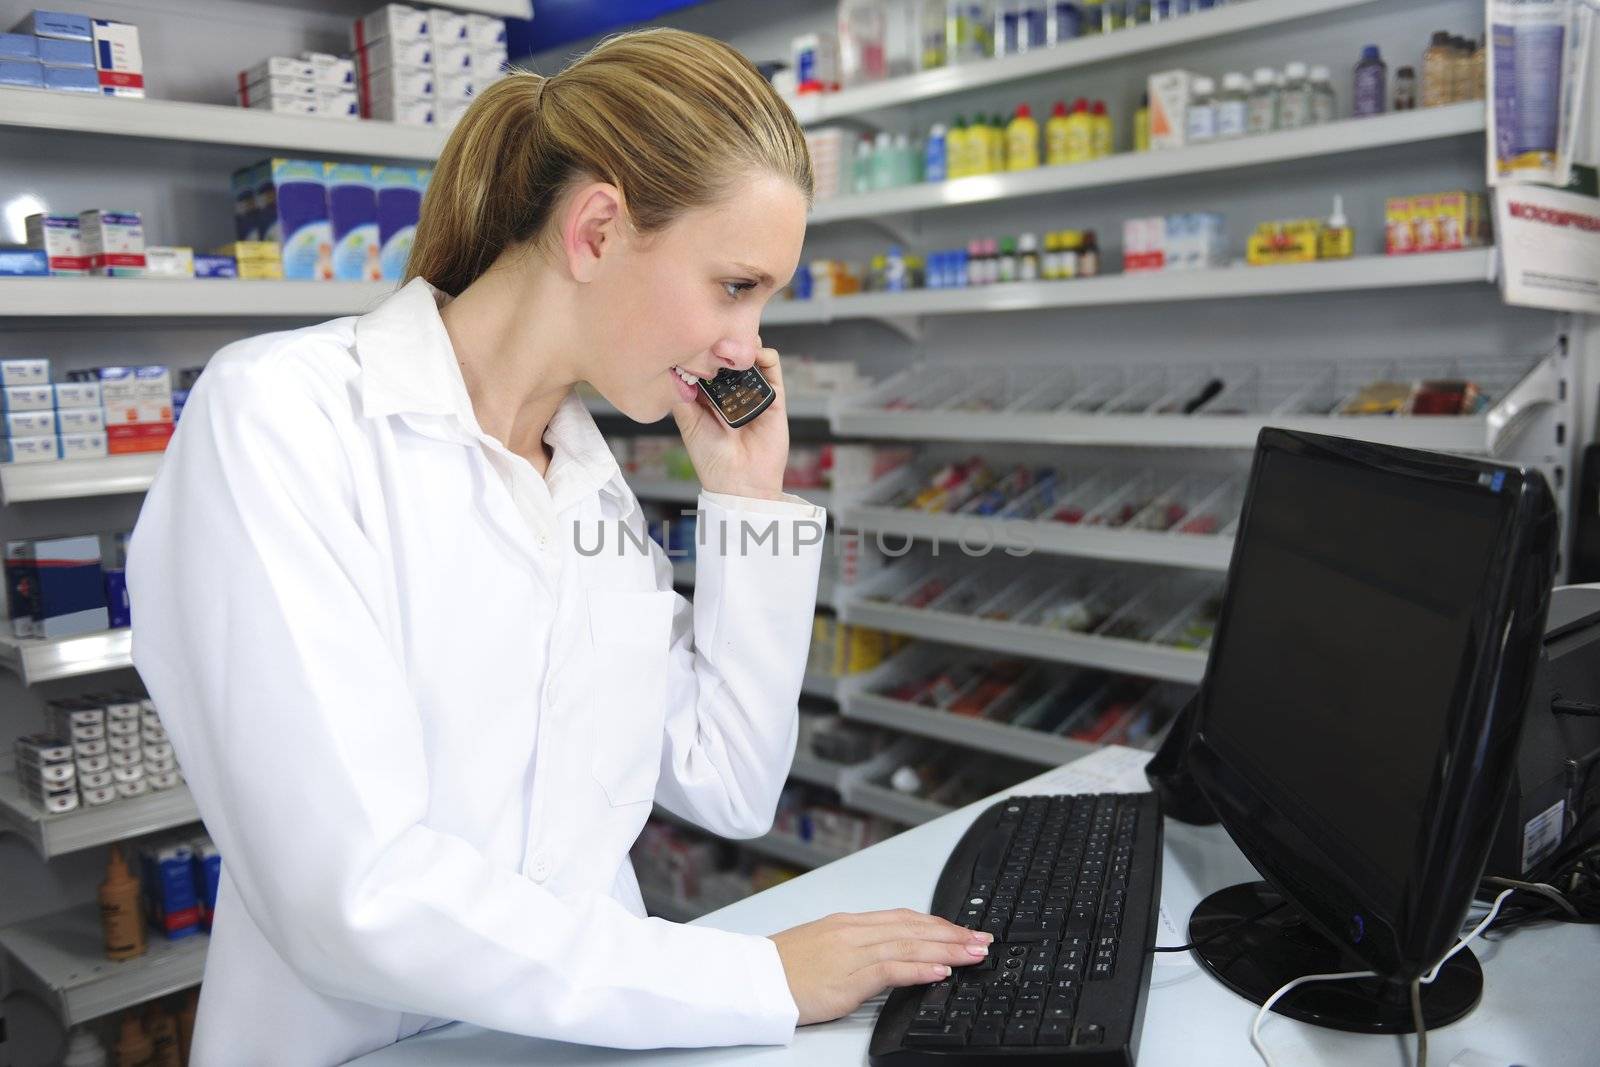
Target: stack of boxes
(178,879)
(420,66)
(72,53)
(107,244)
(138,406)
(48,774)
(325,221)
(63,598)
(830,160)
(44,421)
(1191,241)
(96,750)
(1442,222)
(313,83)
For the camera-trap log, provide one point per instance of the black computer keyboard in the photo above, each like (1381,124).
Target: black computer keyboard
(1070,887)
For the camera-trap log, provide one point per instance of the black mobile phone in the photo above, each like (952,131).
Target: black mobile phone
(739,395)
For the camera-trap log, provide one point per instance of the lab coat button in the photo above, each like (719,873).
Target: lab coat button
(540,869)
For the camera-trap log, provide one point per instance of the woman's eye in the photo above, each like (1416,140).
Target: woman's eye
(733,289)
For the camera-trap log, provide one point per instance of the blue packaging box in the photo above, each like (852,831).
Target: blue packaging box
(215,266)
(293,204)
(207,875)
(72,79)
(24,262)
(117,606)
(246,216)
(55,24)
(399,204)
(15,398)
(167,878)
(72,588)
(353,221)
(22,73)
(54,53)
(19,46)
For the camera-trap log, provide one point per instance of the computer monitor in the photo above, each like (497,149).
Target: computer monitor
(1357,723)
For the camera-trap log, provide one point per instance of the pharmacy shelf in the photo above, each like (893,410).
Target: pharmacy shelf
(894,805)
(683,491)
(45,659)
(826,773)
(57,835)
(60,958)
(1205,552)
(66,479)
(1032,746)
(778,846)
(1332,139)
(1110,653)
(1237,18)
(670,907)
(189,298)
(821,686)
(174,120)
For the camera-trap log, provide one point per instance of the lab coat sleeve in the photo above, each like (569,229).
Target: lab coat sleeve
(738,659)
(267,634)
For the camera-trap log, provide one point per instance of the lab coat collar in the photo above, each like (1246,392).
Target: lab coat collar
(408,367)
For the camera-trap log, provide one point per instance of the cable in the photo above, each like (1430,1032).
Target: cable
(1230,928)
(1255,1027)
(1416,1019)
(1540,888)
(1494,910)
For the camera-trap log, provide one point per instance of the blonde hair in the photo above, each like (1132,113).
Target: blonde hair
(671,118)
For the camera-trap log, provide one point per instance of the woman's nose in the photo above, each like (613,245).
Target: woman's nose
(736,354)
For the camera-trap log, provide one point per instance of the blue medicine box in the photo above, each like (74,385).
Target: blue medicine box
(24,262)
(72,589)
(72,79)
(18,46)
(21,73)
(56,24)
(54,53)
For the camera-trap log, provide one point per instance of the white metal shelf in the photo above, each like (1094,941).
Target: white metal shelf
(1237,18)
(826,773)
(776,845)
(1206,552)
(60,958)
(56,835)
(202,298)
(1110,653)
(1337,138)
(44,659)
(78,477)
(894,805)
(176,120)
(1032,746)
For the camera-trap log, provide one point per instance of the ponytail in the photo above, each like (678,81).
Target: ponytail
(670,118)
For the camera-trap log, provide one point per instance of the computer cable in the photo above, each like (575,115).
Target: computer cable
(1289,987)
(1419,1023)
(1541,888)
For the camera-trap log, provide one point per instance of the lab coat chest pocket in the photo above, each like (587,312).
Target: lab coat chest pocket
(630,632)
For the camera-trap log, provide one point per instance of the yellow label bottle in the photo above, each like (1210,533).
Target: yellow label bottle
(997,145)
(1022,141)
(1141,125)
(1080,133)
(1101,135)
(958,149)
(1055,135)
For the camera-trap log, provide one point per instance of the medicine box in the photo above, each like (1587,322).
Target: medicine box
(26,398)
(114,242)
(293,200)
(452,59)
(95,798)
(1169,107)
(278,67)
(163,261)
(399,192)
(118,58)
(24,372)
(29,449)
(31,424)
(55,24)
(54,53)
(287,88)
(22,588)
(410,55)
(83,445)
(207,876)
(138,438)
(23,262)
(120,385)
(353,217)
(285,105)
(76,395)
(215,266)
(21,73)
(486,31)
(338,104)
(61,240)
(399,22)
(72,596)
(137,412)
(19,46)
(448,27)
(75,421)
(331,71)
(167,878)
(397,83)
(454,89)
(403,110)
(72,79)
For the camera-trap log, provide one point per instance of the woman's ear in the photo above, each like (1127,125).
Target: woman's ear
(592,227)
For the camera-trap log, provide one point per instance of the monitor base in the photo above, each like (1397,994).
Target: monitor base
(1259,957)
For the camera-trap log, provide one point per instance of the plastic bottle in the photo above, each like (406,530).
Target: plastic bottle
(1480,59)
(1141,124)
(1113,15)
(967,36)
(1027,258)
(1438,71)
(1102,135)
(1055,135)
(1080,133)
(1093,17)
(907,164)
(997,145)
(1089,258)
(162,1030)
(957,150)
(1049,268)
(121,916)
(1022,140)
(186,1016)
(894,270)
(84,1050)
(1371,83)
(1008,259)
(1405,89)
(936,154)
(1262,111)
(1461,70)
(1233,106)
(1294,101)
(1202,112)
(1071,244)
(883,161)
(1337,240)
(134,1048)
(1324,101)
(1065,22)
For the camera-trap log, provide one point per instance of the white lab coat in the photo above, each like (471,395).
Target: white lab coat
(424,728)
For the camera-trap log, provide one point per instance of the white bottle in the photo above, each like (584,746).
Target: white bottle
(1294,102)
(1323,101)
(83,1050)
(1262,114)
(905,160)
(1201,121)
(1233,106)
(885,164)
(861,173)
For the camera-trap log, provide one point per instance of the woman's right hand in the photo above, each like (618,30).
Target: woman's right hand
(841,960)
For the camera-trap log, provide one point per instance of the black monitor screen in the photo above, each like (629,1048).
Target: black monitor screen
(1348,627)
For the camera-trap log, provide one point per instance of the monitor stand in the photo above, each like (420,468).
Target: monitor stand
(1257,958)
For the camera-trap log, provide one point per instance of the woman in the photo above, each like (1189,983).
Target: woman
(422,717)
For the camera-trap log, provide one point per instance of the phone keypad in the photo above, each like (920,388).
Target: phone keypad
(739,395)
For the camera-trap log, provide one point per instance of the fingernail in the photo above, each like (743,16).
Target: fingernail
(978,950)
(982,937)
(943,970)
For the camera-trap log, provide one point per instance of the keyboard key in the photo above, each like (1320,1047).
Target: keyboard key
(986,1032)
(1101,970)
(1019,1033)
(950,1035)
(928,1018)
(938,994)
(1090,1034)
(1052,1033)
